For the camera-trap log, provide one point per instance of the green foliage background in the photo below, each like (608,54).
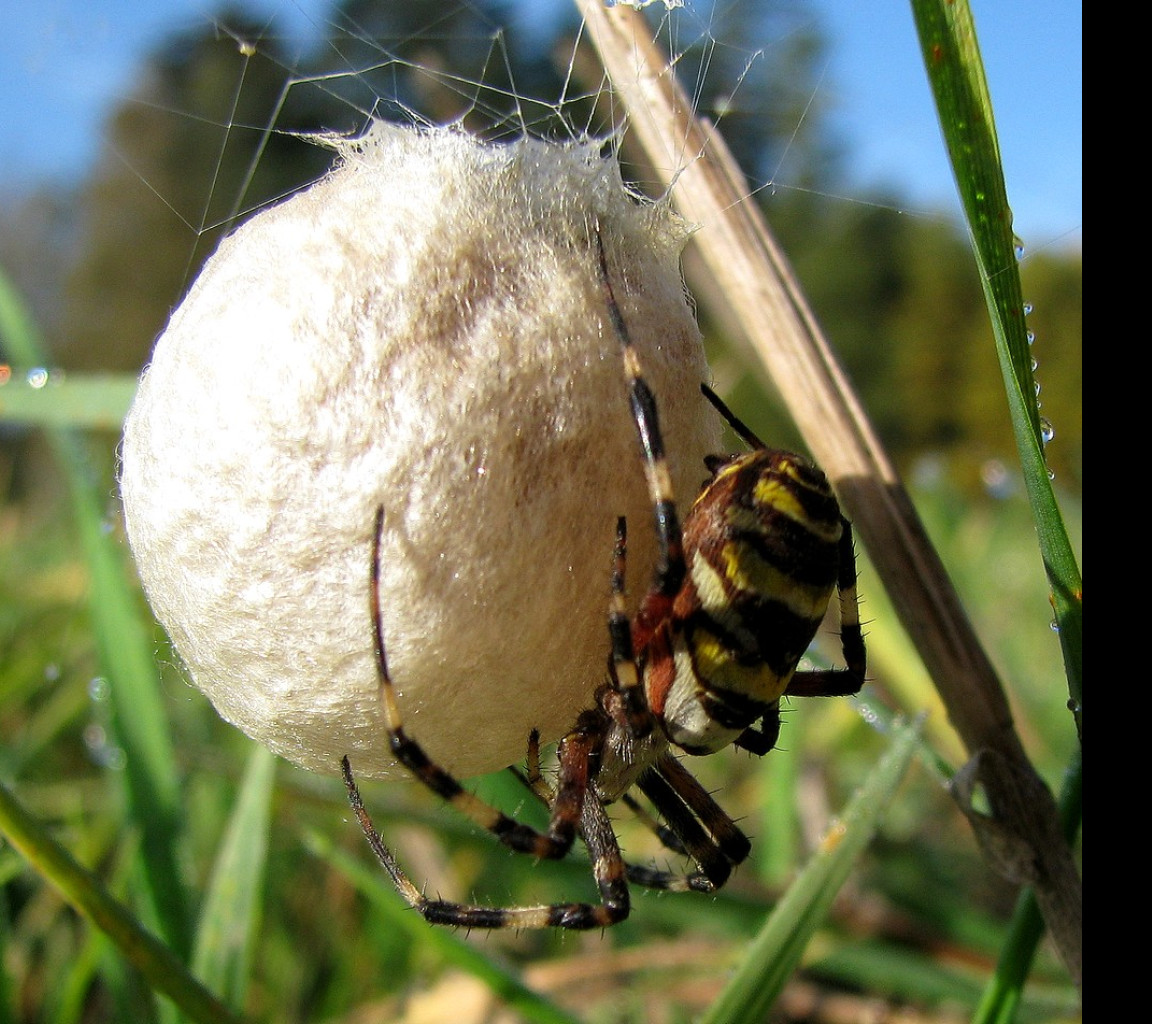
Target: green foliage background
(102,267)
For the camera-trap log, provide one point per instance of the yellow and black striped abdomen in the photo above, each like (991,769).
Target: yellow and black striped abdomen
(763,558)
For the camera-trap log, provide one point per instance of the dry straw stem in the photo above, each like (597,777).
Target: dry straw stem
(754,277)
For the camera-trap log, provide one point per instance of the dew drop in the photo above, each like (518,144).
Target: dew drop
(1027,308)
(37,377)
(98,689)
(1047,431)
(5,373)
(1054,626)
(1031,336)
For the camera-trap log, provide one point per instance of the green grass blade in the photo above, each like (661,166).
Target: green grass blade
(376,886)
(231,911)
(124,644)
(161,967)
(777,949)
(952,57)
(956,72)
(7,1002)
(777,852)
(38,397)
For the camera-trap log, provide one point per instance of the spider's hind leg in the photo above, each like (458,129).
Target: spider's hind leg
(840,682)
(710,836)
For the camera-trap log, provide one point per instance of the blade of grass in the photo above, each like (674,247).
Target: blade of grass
(445,944)
(777,853)
(99,961)
(956,72)
(951,54)
(38,397)
(162,968)
(7,1006)
(70,997)
(124,645)
(231,910)
(777,949)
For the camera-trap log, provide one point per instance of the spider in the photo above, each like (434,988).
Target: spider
(736,597)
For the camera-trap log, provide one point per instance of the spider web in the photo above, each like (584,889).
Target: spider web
(284,80)
(465,59)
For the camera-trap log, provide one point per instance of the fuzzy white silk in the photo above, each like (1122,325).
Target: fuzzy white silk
(426,330)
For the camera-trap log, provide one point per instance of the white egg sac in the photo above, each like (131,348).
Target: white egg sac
(425,329)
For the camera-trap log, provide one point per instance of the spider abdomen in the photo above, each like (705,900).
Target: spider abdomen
(762,552)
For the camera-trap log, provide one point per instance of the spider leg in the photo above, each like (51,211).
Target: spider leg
(623,675)
(533,780)
(553,844)
(670,567)
(532,777)
(732,842)
(761,740)
(840,682)
(737,424)
(713,867)
(607,866)
(705,830)
(667,837)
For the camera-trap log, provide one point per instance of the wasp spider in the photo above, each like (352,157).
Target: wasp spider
(736,598)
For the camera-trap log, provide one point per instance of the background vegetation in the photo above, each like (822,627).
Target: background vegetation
(919,924)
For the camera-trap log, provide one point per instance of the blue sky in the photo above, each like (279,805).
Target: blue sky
(64,63)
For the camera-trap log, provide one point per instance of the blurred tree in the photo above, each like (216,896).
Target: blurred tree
(186,154)
(900,299)
(212,130)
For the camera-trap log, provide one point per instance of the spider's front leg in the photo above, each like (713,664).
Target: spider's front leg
(571,813)
(670,567)
(553,844)
(607,866)
(623,674)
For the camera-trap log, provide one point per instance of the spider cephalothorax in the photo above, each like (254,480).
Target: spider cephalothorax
(736,598)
